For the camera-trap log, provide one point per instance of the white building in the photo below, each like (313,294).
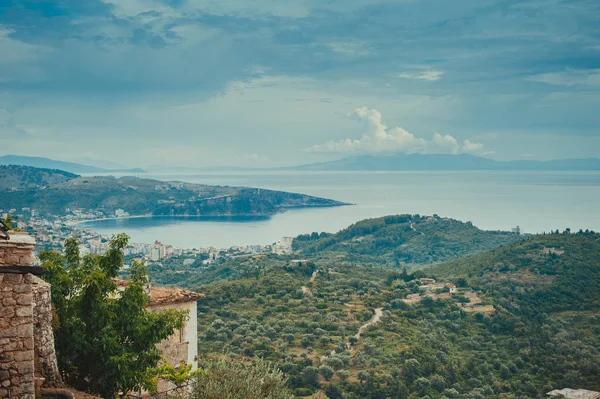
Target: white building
(182,346)
(574,393)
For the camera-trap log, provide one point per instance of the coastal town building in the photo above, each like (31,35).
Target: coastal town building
(182,345)
(283,246)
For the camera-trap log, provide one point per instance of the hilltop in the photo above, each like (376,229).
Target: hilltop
(139,196)
(14,177)
(407,239)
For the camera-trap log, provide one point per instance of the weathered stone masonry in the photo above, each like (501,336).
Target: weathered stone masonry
(25,307)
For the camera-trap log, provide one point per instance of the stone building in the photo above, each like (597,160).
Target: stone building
(27,355)
(25,307)
(182,346)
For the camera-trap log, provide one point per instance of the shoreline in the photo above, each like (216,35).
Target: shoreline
(149,215)
(75,223)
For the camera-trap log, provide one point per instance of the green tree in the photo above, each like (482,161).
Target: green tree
(8,221)
(326,372)
(236,380)
(105,343)
(343,374)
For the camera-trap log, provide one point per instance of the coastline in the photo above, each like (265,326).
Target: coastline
(76,222)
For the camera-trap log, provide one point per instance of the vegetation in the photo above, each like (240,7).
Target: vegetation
(147,196)
(218,379)
(23,177)
(105,343)
(542,333)
(406,239)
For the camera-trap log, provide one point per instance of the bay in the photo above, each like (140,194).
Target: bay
(496,200)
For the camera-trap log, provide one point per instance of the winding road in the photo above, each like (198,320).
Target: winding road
(374,320)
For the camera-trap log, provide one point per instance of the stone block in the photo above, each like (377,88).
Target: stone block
(17,331)
(9,302)
(22,288)
(25,299)
(12,278)
(22,357)
(7,312)
(25,311)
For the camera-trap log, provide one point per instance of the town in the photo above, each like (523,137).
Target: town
(51,231)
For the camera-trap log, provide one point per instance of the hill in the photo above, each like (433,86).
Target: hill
(152,197)
(23,177)
(408,239)
(347,329)
(447,162)
(47,163)
(547,273)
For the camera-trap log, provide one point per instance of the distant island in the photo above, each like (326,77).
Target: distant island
(54,191)
(47,163)
(446,162)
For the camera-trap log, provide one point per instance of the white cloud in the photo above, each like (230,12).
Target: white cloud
(471,146)
(430,75)
(381,139)
(570,77)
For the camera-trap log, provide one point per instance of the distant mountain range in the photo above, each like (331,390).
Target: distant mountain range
(47,163)
(446,162)
(361,162)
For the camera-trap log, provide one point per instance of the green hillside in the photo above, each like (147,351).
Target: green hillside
(536,326)
(24,177)
(411,239)
(151,197)
(546,273)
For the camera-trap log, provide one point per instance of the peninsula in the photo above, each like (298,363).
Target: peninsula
(53,191)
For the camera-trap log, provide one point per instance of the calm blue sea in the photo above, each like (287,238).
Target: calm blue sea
(536,201)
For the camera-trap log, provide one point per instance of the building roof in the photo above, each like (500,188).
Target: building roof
(160,296)
(575,393)
(167,295)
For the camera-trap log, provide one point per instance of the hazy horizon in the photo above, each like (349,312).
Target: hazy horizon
(193,83)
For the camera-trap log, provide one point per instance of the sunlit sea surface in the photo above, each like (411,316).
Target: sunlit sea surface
(536,201)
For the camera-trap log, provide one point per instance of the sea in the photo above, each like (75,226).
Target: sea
(492,200)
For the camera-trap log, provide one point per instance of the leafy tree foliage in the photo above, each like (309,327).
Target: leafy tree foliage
(235,380)
(404,239)
(105,342)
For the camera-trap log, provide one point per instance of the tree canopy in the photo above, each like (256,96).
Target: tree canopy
(104,338)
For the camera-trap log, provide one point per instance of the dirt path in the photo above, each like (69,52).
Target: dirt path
(374,320)
(307,291)
(313,277)
(412,226)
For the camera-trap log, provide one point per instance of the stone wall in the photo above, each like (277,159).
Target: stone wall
(26,337)
(16,336)
(43,337)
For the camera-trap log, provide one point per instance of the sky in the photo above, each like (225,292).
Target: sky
(262,83)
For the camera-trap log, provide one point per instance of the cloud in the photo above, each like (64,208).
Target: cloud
(430,75)
(8,127)
(570,77)
(381,139)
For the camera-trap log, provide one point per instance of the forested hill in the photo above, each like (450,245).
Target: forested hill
(546,291)
(405,239)
(147,196)
(23,177)
(547,273)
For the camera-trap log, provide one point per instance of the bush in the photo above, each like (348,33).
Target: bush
(219,379)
